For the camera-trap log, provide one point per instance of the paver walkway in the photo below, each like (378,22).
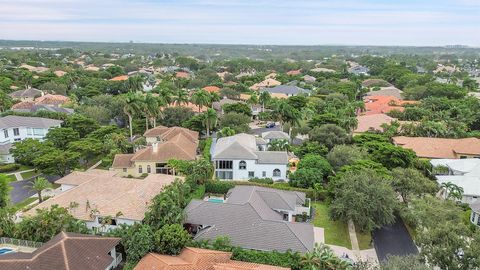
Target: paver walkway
(353,236)
(18,175)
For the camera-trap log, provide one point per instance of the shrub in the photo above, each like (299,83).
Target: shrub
(261,180)
(9,168)
(206,149)
(218,187)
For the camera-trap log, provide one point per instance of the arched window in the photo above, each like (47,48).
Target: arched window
(242,165)
(277,173)
(149,170)
(140,169)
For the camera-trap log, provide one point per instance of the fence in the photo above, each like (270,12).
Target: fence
(19,242)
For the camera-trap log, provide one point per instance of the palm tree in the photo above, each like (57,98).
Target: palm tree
(253,99)
(132,106)
(214,97)
(166,96)
(150,108)
(285,113)
(134,84)
(452,191)
(200,98)
(264,98)
(209,120)
(40,184)
(279,145)
(181,96)
(323,258)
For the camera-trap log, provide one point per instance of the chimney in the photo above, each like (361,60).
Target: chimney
(155,147)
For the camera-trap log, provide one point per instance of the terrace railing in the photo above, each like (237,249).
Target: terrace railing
(19,242)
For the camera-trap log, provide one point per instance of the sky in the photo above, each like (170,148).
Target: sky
(276,22)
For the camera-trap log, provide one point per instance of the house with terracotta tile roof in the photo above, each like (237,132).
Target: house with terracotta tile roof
(384,104)
(67,251)
(426,147)
(196,258)
(163,144)
(52,100)
(372,122)
(101,194)
(294,72)
(212,89)
(194,107)
(119,78)
(182,74)
(265,83)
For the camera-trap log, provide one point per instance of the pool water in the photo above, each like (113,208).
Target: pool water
(5,250)
(216,200)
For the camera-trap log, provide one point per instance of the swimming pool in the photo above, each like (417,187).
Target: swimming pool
(5,250)
(216,200)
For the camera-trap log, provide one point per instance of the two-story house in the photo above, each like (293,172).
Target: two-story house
(240,157)
(17,128)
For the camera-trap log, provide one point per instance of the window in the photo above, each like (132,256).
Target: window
(149,170)
(38,132)
(463,157)
(277,173)
(29,131)
(251,174)
(124,169)
(5,132)
(264,174)
(224,164)
(224,175)
(16,132)
(140,169)
(17,139)
(242,165)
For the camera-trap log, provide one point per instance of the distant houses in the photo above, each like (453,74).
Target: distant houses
(18,128)
(427,147)
(285,91)
(242,157)
(34,101)
(254,218)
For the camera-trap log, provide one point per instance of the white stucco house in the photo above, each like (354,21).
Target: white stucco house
(475,215)
(97,195)
(18,128)
(240,157)
(464,173)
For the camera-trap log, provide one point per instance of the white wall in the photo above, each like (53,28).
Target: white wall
(258,170)
(106,228)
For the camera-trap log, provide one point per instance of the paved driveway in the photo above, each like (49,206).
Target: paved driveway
(21,191)
(393,240)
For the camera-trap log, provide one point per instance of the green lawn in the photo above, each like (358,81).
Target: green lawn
(28,175)
(364,239)
(12,177)
(24,203)
(336,232)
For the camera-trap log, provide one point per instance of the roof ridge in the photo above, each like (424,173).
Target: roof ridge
(64,254)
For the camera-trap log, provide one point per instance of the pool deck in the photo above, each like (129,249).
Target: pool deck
(18,248)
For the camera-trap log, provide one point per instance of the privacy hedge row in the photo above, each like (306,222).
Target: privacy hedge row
(9,168)
(268,181)
(219,187)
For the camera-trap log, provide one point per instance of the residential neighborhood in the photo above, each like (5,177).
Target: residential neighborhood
(209,135)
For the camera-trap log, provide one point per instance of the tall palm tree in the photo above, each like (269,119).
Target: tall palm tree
(150,108)
(166,96)
(209,120)
(134,83)
(452,191)
(214,97)
(181,96)
(200,98)
(253,99)
(132,106)
(38,185)
(264,97)
(285,113)
(323,258)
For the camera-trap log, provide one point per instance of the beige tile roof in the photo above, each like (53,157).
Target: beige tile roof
(178,147)
(265,83)
(372,122)
(122,161)
(109,195)
(198,259)
(439,147)
(166,133)
(77,178)
(50,99)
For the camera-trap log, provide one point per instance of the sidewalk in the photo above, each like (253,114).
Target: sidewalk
(18,175)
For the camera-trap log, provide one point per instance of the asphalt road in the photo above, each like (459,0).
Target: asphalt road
(393,240)
(21,191)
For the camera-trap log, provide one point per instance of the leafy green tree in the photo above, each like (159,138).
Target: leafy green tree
(365,198)
(411,182)
(57,162)
(167,207)
(5,101)
(297,102)
(61,137)
(88,148)
(134,84)
(404,262)
(310,148)
(27,150)
(237,121)
(47,223)
(171,239)
(138,240)
(391,156)
(38,185)
(238,107)
(329,135)
(4,191)
(226,132)
(81,124)
(279,145)
(175,116)
(7,224)
(342,155)
(312,169)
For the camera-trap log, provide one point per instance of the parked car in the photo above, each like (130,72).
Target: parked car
(270,125)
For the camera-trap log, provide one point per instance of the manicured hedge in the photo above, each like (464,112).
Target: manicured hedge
(206,149)
(9,168)
(218,187)
(268,181)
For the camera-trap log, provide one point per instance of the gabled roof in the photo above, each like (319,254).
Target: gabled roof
(275,135)
(26,93)
(69,251)
(120,78)
(391,91)
(50,99)
(372,122)
(167,133)
(212,89)
(108,194)
(439,147)
(287,89)
(14,121)
(122,161)
(198,259)
(249,220)
(178,147)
